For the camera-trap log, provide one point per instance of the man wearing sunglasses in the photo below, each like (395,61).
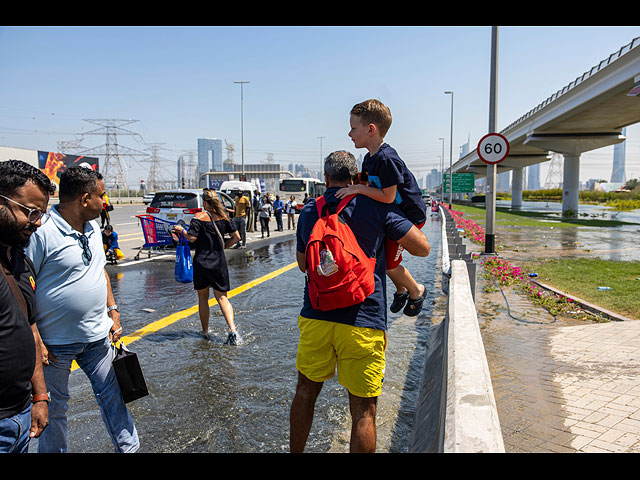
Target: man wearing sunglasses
(24,195)
(76,312)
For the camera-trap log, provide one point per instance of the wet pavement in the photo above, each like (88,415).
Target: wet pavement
(209,397)
(562,385)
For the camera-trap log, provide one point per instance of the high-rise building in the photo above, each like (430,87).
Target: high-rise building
(503,181)
(533,177)
(433,179)
(206,162)
(618,174)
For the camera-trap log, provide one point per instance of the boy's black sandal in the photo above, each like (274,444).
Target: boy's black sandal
(399,299)
(414,306)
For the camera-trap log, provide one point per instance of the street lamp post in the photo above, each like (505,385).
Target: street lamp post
(451,154)
(321,163)
(242,121)
(442,171)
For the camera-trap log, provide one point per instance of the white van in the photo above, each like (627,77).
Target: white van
(231,187)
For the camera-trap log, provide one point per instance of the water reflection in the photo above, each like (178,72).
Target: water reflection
(209,397)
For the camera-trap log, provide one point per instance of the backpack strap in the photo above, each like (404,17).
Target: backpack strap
(343,203)
(321,205)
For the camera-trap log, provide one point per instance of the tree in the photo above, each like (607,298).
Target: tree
(631,184)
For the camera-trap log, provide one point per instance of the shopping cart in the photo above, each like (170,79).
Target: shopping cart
(157,234)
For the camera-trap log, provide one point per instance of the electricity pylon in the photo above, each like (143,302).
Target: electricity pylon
(554,175)
(111,151)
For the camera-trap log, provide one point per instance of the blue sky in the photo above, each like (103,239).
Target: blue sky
(177,82)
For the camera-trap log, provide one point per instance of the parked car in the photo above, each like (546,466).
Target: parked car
(148,198)
(180,205)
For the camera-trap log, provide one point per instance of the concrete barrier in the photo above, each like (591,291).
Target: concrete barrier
(456,410)
(471,416)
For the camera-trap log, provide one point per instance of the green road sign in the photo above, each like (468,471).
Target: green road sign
(462,182)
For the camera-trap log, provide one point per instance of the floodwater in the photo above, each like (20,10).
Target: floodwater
(609,243)
(209,397)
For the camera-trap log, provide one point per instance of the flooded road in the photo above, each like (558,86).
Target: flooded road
(209,397)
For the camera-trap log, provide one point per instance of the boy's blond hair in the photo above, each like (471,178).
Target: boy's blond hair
(374,111)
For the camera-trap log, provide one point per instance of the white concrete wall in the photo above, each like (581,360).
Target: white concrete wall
(11,153)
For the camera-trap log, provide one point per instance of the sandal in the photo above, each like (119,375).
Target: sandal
(399,299)
(414,306)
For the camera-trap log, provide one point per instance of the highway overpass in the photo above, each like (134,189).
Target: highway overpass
(587,114)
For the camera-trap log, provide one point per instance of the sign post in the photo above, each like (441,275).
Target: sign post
(493,148)
(488,145)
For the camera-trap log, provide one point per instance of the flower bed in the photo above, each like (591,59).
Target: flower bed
(473,231)
(509,275)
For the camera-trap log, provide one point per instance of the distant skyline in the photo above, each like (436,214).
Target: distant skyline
(178,83)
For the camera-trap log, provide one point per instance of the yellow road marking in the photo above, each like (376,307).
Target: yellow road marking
(174,317)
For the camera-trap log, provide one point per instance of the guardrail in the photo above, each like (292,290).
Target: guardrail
(595,69)
(456,410)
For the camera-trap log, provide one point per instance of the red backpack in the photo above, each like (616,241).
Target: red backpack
(339,273)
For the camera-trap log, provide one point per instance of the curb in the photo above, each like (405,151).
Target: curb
(616,317)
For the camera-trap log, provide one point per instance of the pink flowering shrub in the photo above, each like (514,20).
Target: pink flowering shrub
(509,275)
(471,229)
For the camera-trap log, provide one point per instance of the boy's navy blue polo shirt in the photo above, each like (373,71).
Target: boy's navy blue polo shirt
(384,169)
(370,222)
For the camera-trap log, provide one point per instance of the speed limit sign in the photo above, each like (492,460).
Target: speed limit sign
(493,148)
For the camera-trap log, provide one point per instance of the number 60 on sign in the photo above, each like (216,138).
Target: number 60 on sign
(493,148)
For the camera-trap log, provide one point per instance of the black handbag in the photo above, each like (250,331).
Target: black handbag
(129,374)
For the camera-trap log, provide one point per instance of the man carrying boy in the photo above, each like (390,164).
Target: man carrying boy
(390,181)
(351,338)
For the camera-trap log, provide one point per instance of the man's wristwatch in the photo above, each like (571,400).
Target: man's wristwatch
(41,397)
(112,307)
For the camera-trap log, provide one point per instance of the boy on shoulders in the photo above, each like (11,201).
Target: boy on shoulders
(389,181)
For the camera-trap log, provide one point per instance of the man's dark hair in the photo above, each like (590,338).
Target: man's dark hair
(15,173)
(76,181)
(341,166)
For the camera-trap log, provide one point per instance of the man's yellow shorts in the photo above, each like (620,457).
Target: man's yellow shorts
(359,354)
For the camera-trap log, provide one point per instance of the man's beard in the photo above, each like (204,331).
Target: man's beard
(11,234)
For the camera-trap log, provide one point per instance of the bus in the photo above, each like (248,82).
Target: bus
(298,187)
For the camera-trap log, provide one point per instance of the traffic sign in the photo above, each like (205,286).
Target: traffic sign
(462,182)
(493,148)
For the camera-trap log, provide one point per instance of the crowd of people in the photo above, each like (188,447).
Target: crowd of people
(46,323)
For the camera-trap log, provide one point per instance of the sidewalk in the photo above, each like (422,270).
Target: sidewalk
(570,389)
(560,385)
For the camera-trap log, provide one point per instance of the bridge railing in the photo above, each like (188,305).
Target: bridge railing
(595,69)
(456,409)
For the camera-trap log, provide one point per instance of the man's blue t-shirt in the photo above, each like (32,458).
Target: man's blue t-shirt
(370,222)
(384,169)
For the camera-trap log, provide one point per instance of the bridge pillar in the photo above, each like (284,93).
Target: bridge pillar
(570,183)
(571,146)
(516,188)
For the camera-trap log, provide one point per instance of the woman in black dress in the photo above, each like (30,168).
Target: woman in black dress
(206,231)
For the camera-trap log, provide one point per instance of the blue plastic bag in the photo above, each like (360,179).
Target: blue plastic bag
(184,265)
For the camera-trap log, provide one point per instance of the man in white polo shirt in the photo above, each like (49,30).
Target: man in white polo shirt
(76,313)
